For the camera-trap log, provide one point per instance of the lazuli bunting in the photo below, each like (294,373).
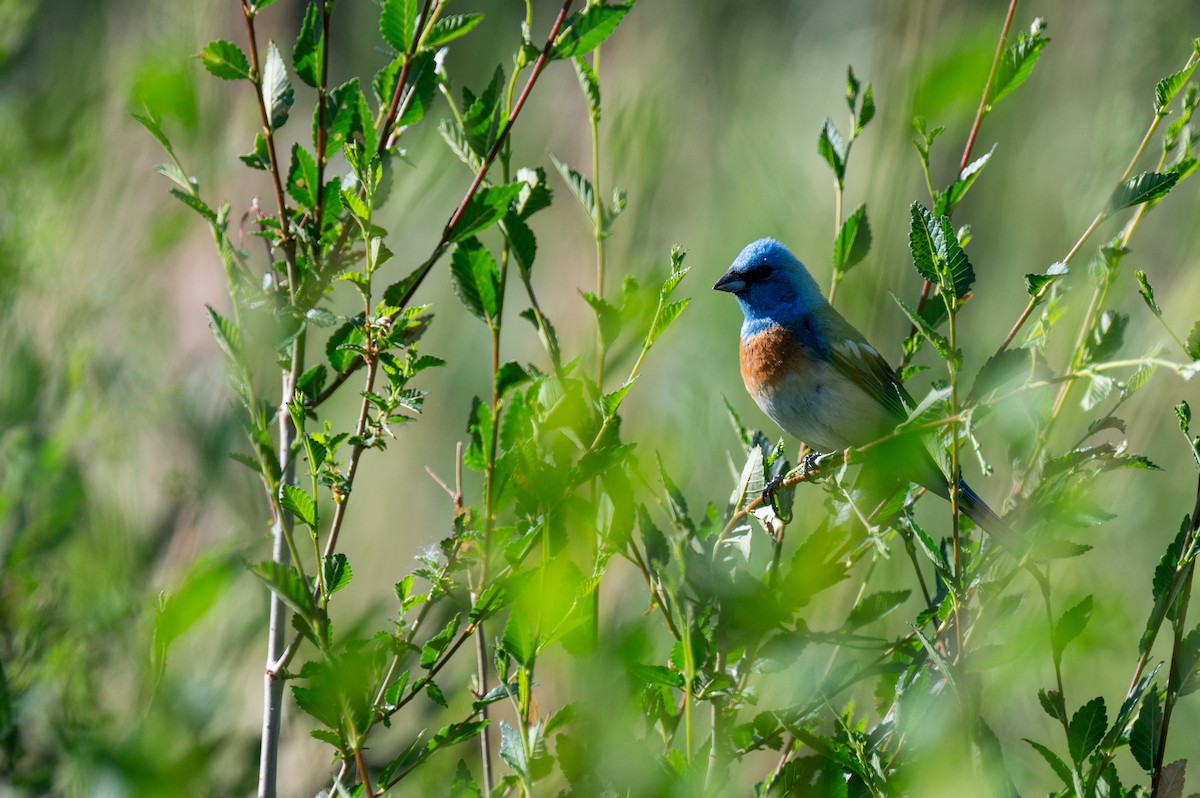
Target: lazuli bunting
(816,376)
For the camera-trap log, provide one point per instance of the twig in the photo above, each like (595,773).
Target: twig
(439,249)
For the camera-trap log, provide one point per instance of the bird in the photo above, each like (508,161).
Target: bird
(816,376)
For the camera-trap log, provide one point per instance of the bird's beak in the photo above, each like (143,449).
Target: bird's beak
(730,282)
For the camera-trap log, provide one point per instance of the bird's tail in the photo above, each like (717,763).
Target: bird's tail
(979,512)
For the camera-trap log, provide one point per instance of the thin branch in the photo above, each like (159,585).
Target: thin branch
(423,270)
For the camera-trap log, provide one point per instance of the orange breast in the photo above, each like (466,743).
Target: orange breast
(768,356)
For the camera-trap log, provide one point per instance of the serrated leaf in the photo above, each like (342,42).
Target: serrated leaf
(584,31)
(508,376)
(511,749)
(939,342)
(666,314)
(1057,765)
(1017,63)
(853,241)
(284,581)
(308,52)
(875,606)
(1086,729)
(337,572)
(867,112)
(432,651)
(590,83)
(225,60)
(300,504)
(195,203)
(302,178)
(1166,89)
(610,402)
(1052,703)
(1139,189)
(153,125)
(277,93)
(1146,732)
(580,187)
(1193,342)
(485,209)
(1070,625)
(397,23)
(476,279)
(657,675)
(832,147)
(228,336)
(259,157)
(949,199)
(1107,337)
(1036,284)
(449,28)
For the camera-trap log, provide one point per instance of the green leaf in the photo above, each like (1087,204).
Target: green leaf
(1086,729)
(225,60)
(1146,733)
(590,83)
(449,28)
(518,638)
(1070,625)
(610,402)
(1057,765)
(228,336)
(1052,703)
(308,52)
(1193,342)
(195,203)
(398,23)
(1147,292)
(662,320)
(277,94)
(300,504)
(867,112)
(1036,284)
(285,582)
(1146,187)
(508,376)
(337,572)
(1017,62)
(853,241)
(940,343)
(476,279)
(656,675)
(259,157)
(485,209)
(153,125)
(580,187)
(584,31)
(949,199)
(1107,337)
(511,749)
(302,178)
(875,606)
(1166,89)
(341,348)
(432,650)
(832,147)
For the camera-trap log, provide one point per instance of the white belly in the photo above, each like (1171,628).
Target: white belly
(824,409)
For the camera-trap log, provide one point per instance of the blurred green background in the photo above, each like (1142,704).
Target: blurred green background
(114,415)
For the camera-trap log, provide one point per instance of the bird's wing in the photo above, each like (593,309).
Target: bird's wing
(850,353)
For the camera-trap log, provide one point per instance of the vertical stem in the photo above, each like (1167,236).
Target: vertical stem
(601,233)
(955,478)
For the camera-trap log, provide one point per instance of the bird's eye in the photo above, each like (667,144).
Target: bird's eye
(759,271)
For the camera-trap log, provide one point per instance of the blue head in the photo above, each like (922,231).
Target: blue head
(770,284)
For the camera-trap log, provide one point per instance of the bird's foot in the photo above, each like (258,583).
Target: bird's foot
(772,486)
(810,463)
